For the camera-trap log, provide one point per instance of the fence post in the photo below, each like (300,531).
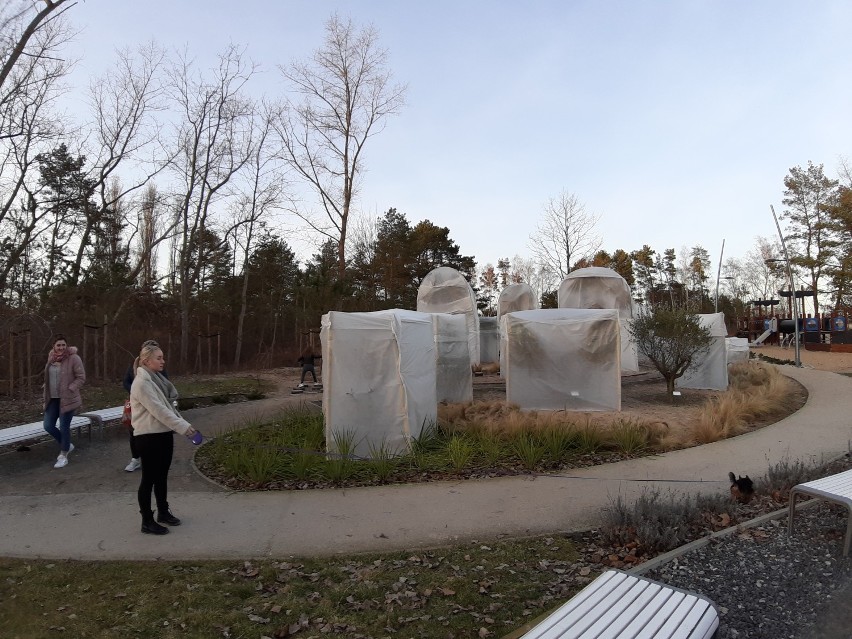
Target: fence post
(11,364)
(29,363)
(105,346)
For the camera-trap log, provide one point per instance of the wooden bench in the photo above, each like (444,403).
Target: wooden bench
(24,432)
(836,488)
(618,605)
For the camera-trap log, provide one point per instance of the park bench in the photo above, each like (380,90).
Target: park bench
(618,605)
(24,432)
(103,416)
(835,488)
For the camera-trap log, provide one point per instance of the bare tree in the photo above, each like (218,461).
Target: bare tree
(761,279)
(565,235)
(18,26)
(538,276)
(28,127)
(124,104)
(148,234)
(346,96)
(213,144)
(261,193)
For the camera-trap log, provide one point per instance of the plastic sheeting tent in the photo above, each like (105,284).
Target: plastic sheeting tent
(598,287)
(379,378)
(444,290)
(489,340)
(737,349)
(516,297)
(711,370)
(562,359)
(454,381)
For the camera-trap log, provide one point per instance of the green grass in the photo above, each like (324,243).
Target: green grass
(290,452)
(433,594)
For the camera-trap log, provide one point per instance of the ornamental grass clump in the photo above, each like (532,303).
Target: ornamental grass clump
(628,437)
(460,451)
(755,391)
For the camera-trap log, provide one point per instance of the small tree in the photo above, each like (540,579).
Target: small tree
(671,339)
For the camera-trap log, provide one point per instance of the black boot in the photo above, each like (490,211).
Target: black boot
(151,527)
(165,516)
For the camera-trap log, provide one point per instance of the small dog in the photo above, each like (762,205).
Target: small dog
(742,489)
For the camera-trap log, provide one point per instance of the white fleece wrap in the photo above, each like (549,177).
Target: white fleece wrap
(152,412)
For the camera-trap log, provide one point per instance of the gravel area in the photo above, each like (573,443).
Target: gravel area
(767,585)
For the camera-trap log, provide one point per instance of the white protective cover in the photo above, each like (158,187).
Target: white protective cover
(379,372)
(737,349)
(711,371)
(489,340)
(516,297)
(454,381)
(562,359)
(599,287)
(444,290)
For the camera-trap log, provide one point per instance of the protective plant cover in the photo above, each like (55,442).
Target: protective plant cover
(489,340)
(562,359)
(379,372)
(710,371)
(737,349)
(516,297)
(454,381)
(444,290)
(599,287)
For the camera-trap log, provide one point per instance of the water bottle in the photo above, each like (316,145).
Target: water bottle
(196,438)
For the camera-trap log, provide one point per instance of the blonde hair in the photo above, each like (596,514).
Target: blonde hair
(148,349)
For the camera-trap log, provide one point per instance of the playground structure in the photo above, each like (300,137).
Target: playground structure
(829,331)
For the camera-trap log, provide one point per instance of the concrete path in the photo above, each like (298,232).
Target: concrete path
(43,516)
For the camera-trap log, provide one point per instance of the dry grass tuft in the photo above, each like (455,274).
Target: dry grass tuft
(756,390)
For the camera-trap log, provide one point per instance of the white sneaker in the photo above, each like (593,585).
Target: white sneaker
(61,462)
(300,386)
(70,449)
(135,464)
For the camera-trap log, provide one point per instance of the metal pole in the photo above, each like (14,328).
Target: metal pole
(718,273)
(792,287)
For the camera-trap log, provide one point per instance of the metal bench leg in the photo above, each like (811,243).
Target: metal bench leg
(793,495)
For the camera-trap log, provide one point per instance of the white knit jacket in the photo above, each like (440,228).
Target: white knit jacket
(150,411)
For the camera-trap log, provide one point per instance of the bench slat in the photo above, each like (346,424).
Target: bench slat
(641,611)
(23,432)
(618,605)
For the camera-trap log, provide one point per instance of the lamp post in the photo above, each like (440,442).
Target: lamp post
(792,286)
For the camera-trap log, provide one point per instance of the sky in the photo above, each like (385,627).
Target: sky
(675,122)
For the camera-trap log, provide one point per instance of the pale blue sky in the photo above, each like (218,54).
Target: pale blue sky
(675,121)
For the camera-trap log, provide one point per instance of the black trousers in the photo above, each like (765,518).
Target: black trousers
(134,453)
(155,450)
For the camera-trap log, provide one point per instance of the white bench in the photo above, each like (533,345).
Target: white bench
(836,488)
(101,417)
(24,432)
(618,605)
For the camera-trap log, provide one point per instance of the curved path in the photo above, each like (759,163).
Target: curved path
(88,510)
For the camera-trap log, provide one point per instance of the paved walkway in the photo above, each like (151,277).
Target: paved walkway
(46,514)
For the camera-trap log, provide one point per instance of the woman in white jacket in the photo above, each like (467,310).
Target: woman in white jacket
(155,421)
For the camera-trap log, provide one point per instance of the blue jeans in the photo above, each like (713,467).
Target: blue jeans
(62,434)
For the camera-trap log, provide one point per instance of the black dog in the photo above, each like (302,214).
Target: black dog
(742,489)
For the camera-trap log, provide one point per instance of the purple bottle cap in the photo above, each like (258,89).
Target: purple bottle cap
(196,438)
